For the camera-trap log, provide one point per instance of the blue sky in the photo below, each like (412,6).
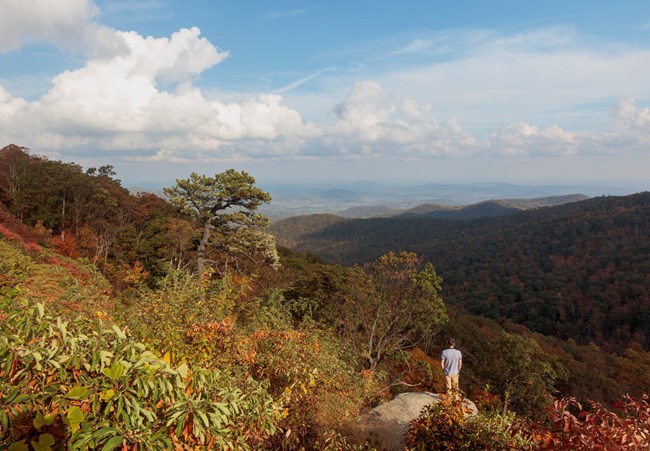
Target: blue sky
(295,91)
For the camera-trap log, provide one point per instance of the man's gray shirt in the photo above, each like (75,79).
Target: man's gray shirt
(452,358)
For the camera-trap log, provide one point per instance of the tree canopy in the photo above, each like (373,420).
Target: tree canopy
(224,203)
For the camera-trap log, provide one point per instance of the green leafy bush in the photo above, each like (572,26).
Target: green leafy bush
(85,384)
(163,317)
(439,427)
(446,426)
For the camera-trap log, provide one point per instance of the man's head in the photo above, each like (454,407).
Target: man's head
(451,342)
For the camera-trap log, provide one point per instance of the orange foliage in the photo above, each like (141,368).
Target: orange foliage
(485,400)
(136,274)
(65,244)
(420,370)
(595,428)
(80,275)
(43,233)
(14,229)
(8,233)
(217,343)
(29,246)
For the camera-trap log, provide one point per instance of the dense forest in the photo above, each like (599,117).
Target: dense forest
(579,270)
(132,321)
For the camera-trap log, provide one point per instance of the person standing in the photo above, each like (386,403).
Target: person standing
(451,361)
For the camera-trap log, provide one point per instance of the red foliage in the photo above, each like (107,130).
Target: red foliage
(485,400)
(13,229)
(65,244)
(416,369)
(8,233)
(596,428)
(74,270)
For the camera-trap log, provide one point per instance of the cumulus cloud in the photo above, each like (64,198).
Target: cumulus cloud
(526,139)
(364,110)
(372,121)
(119,103)
(9,105)
(412,108)
(162,155)
(139,95)
(67,24)
(630,131)
(630,116)
(120,94)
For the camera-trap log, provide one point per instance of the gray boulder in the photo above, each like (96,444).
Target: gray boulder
(385,426)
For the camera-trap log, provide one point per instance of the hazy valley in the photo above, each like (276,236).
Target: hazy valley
(366,199)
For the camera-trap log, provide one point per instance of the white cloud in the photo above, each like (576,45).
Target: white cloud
(67,24)
(412,108)
(121,94)
(488,89)
(364,110)
(526,139)
(488,79)
(264,118)
(630,116)
(9,106)
(630,131)
(370,121)
(162,155)
(119,103)
(143,100)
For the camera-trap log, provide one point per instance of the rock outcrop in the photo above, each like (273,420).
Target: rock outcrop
(385,425)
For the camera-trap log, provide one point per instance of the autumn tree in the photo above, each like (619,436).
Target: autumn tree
(224,204)
(15,167)
(392,304)
(524,375)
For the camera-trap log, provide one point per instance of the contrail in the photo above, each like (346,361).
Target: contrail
(299,82)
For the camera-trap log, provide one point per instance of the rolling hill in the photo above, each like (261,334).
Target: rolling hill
(579,270)
(487,208)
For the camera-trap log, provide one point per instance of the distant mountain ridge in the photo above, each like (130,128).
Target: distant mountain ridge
(288,230)
(578,270)
(488,208)
(368,199)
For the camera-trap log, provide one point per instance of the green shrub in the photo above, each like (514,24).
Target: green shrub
(86,385)
(492,430)
(439,427)
(163,317)
(308,368)
(445,426)
(13,264)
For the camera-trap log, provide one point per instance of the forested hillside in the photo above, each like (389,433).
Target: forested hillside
(579,270)
(137,322)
